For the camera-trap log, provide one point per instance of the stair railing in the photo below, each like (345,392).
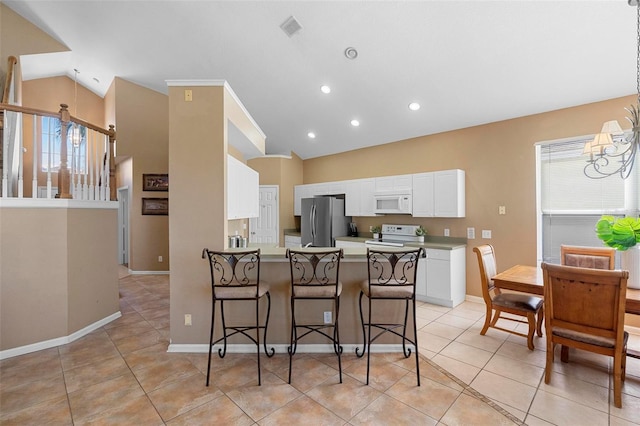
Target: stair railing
(92,173)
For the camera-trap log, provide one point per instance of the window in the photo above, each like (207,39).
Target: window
(50,147)
(569,203)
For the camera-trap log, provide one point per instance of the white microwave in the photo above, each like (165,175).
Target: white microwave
(392,203)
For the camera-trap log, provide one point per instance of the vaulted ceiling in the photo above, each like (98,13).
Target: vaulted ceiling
(465,62)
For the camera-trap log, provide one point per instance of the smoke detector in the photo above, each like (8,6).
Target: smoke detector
(351,53)
(291,26)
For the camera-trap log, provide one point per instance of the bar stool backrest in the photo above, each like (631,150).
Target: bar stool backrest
(234,268)
(314,267)
(393,267)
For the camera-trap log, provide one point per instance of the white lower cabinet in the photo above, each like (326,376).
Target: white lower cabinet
(292,241)
(441,277)
(343,244)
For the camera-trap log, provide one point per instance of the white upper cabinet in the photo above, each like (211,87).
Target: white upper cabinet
(359,197)
(439,194)
(397,183)
(449,193)
(243,190)
(423,202)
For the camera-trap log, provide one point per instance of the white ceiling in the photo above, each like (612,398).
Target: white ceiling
(465,62)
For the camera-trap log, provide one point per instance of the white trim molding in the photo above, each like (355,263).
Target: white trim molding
(59,341)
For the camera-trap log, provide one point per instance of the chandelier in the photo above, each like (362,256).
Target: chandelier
(611,152)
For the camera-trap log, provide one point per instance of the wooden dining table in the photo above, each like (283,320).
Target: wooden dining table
(528,279)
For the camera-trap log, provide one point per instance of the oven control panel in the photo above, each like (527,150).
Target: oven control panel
(399,230)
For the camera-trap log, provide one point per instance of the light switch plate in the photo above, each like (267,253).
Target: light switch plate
(486,234)
(471,233)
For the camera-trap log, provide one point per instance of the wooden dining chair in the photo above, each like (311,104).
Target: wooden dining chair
(588,257)
(584,309)
(585,257)
(523,305)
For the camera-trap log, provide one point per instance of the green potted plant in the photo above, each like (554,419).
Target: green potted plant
(376,232)
(623,234)
(619,233)
(420,233)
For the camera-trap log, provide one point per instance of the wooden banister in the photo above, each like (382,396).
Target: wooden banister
(66,118)
(11,63)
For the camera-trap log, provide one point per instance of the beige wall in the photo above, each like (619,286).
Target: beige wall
(499,161)
(20,37)
(57,272)
(197,166)
(143,135)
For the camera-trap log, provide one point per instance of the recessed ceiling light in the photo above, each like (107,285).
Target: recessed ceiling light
(355,123)
(414,106)
(311,135)
(325,89)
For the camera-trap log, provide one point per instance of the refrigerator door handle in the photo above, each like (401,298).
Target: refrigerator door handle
(313,222)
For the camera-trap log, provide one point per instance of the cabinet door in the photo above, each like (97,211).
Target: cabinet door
(292,241)
(449,193)
(243,190)
(439,274)
(352,198)
(393,183)
(367,203)
(343,244)
(423,197)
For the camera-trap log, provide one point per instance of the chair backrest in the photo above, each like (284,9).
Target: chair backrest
(585,300)
(393,267)
(314,267)
(588,257)
(488,269)
(233,268)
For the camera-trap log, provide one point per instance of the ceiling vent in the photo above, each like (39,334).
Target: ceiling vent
(291,26)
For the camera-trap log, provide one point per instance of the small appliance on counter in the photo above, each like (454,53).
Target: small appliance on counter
(396,236)
(236,241)
(353,230)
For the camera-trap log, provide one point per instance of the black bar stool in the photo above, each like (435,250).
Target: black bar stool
(392,276)
(235,276)
(315,276)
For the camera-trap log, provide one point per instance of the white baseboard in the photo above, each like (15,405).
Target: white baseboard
(131,272)
(33,347)
(248,348)
(475,299)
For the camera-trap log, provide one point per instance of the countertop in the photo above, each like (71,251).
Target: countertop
(440,243)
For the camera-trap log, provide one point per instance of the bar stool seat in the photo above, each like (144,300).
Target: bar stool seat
(235,276)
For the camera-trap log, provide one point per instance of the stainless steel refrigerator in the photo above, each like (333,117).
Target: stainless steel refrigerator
(323,220)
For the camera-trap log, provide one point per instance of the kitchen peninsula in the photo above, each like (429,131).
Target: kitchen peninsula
(274,269)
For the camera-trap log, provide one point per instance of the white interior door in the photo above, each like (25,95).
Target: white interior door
(123,226)
(264,228)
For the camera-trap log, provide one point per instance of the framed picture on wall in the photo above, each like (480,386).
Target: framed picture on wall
(155,182)
(155,206)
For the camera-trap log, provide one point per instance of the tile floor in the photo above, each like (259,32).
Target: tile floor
(122,374)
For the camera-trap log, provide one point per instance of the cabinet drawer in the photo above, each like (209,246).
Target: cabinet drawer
(438,254)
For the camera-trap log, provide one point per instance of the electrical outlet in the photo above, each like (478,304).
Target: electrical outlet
(187,319)
(446,232)
(160,259)
(370,228)
(502,210)
(327,317)
(486,234)
(471,233)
